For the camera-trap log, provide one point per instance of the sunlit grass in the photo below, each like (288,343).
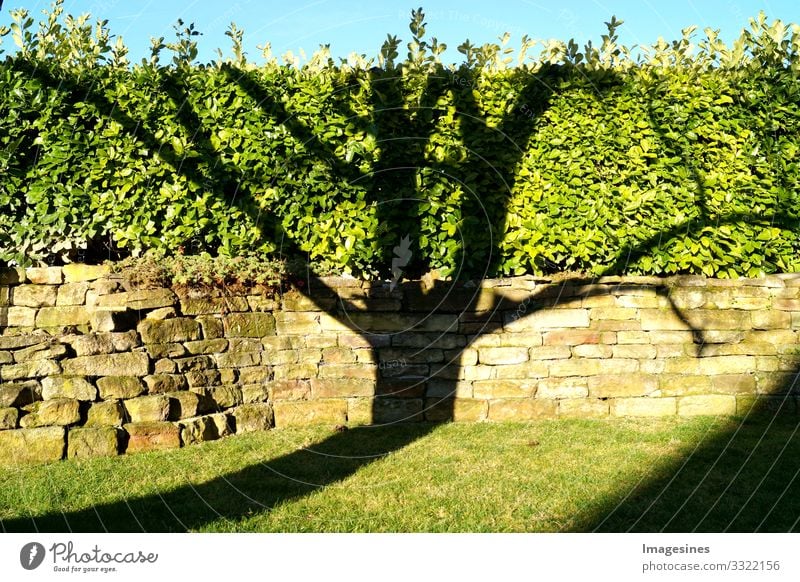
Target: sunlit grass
(566,475)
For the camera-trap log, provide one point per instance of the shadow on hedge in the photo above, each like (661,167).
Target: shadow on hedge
(712,473)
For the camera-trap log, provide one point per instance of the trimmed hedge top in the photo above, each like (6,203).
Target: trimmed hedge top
(676,158)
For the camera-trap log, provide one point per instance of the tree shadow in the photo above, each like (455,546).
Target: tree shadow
(423,386)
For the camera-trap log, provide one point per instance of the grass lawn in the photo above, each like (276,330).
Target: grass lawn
(704,474)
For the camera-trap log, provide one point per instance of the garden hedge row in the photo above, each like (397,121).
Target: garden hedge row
(679,158)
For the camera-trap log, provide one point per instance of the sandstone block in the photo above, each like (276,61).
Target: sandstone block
(253,417)
(148,408)
(92,442)
(786,304)
(547,319)
(550,352)
(249,325)
(289,389)
(102,320)
(224,423)
(683,385)
(661,319)
(35,295)
(211,346)
(237,359)
(210,305)
(718,320)
(592,367)
(384,410)
(179,329)
(160,351)
(162,313)
(211,326)
(297,323)
(18,316)
(613,313)
(110,413)
(500,389)
(558,388)
(44,351)
(509,372)
(733,384)
(644,406)
(434,388)
(592,351)
(456,409)
(341,387)
(72,294)
(62,316)
(195,363)
(254,393)
(516,410)
(634,351)
(365,371)
(583,408)
(711,365)
(195,378)
(500,356)
(574,337)
(13,342)
(622,385)
(261,303)
(139,300)
(184,405)
(32,445)
(226,396)
(161,383)
(76,272)
(8,418)
(766,319)
(198,430)
(708,404)
(74,387)
(31,369)
(56,412)
(777,382)
(19,394)
(122,364)
(165,366)
(254,375)
(152,436)
(304,412)
(123,387)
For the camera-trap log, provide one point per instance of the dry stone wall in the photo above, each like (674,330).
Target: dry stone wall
(89,366)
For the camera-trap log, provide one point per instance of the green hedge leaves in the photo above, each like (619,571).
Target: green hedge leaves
(670,161)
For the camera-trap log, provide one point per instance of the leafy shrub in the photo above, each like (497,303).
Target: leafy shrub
(681,159)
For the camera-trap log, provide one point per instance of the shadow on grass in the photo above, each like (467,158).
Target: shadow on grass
(741,478)
(255,489)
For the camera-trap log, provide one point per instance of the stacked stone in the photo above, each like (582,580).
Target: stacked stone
(527,348)
(90,367)
(93,370)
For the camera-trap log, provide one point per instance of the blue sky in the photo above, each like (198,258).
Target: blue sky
(361,26)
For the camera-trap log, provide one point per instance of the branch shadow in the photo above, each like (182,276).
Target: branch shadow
(421,391)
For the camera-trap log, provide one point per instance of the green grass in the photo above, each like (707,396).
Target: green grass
(673,474)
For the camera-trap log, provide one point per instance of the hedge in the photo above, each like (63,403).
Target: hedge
(675,158)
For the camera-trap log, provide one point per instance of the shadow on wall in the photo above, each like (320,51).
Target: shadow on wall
(729,475)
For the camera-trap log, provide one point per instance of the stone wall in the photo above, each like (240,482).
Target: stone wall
(89,366)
